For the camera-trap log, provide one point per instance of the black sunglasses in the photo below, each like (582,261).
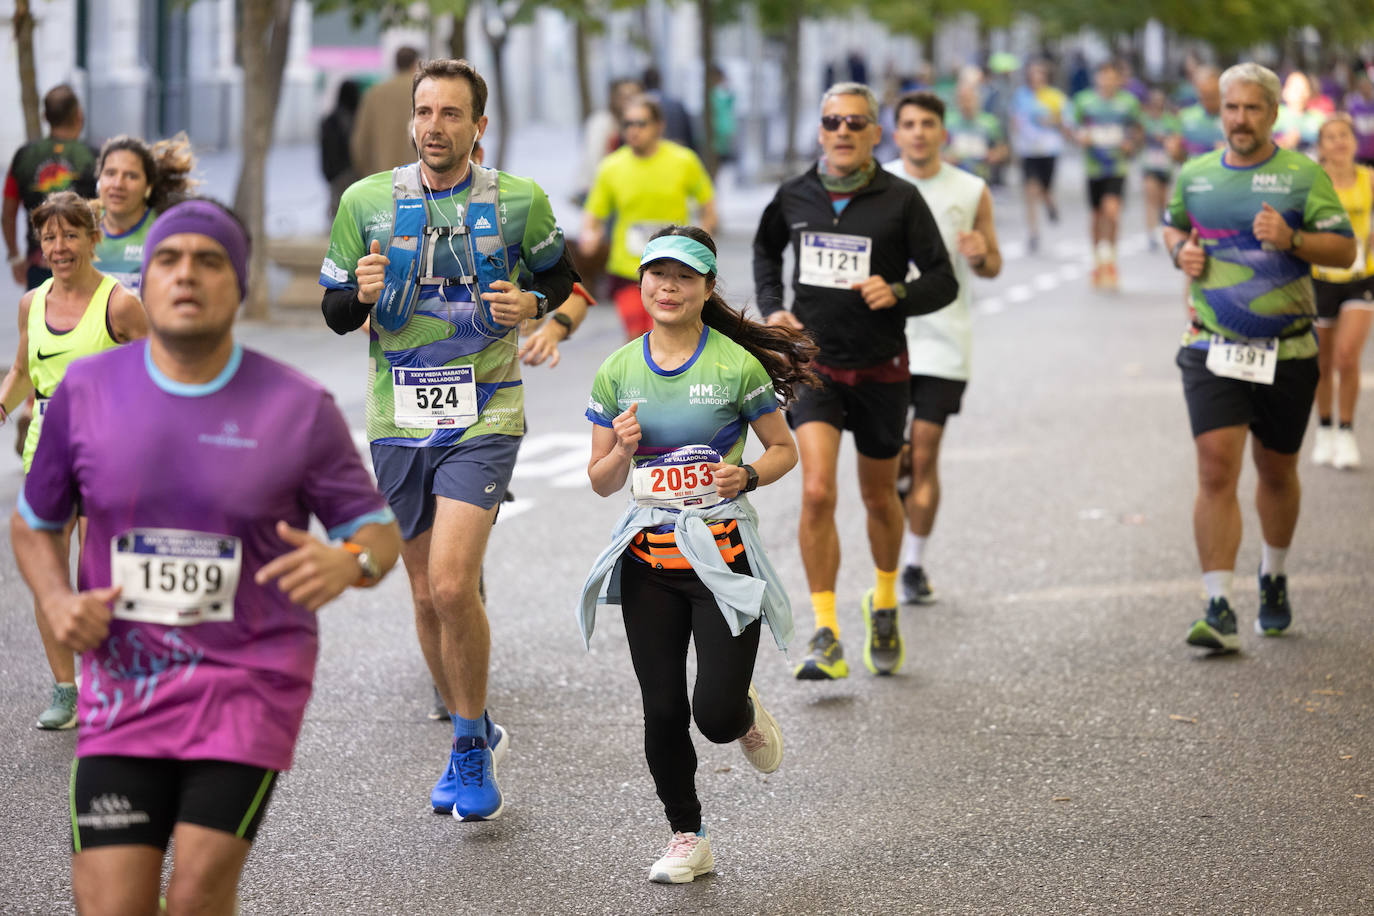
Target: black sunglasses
(853,122)
(634,123)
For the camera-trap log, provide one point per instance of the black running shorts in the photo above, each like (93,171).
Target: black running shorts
(1332,297)
(122,801)
(1039,169)
(1100,188)
(935,399)
(874,411)
(1277,414)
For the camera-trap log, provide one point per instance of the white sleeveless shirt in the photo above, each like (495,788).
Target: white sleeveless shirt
(941,343)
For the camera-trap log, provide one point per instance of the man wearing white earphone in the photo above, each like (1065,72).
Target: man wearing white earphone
(430,254)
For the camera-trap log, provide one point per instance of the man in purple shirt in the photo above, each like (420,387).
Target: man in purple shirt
(199,582)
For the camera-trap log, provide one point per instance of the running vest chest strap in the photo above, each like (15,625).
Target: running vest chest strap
(410,249)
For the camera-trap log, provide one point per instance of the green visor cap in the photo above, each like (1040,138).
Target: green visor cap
(680,248)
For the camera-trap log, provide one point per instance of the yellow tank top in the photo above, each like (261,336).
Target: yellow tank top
(1357,200)
(51,352)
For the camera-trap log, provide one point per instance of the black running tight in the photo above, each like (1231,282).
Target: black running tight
(663,609)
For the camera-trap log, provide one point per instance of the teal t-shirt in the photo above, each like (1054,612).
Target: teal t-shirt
(1109,123)
(1155,156)
(121,256)
(1249,290)
(1201,130)
(1306,124)
(445,329)
(709,400)
(971,139)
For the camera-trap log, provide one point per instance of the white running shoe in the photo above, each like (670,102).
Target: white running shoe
(762,744)
(1324,446)
(687,856)
(1346,451)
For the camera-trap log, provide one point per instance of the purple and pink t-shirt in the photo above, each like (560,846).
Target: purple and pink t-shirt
(157,462)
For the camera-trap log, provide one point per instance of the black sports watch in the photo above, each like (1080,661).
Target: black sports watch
(541,301)
(563,319)
(753,483)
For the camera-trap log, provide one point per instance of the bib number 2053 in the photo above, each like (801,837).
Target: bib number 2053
(674,486)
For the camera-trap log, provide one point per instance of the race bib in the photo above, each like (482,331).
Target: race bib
(1249,361)
(1156,159)
(637,236)
(834,261)
(682,479)
(969,146)
(435,398)
(1108,136)
(175,578)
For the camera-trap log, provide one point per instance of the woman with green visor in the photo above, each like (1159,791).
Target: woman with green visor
(671,413)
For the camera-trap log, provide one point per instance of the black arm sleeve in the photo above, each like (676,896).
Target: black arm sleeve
(556,283)
(769,243)
(937,286)
(342,310)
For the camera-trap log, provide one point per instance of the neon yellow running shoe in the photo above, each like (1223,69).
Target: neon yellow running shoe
(825,661)
(883,648)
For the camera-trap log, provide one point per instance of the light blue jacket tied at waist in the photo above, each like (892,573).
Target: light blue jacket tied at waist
(742,599)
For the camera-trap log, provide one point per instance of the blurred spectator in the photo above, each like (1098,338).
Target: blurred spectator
(381,133)
(1360,104)
(58,162)
(723,124)
(336,133)
(677,124)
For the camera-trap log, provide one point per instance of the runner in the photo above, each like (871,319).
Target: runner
(854,229)
(57,162)
(1163,144)
(1298,121)
(1038,128)
(644,185)
(1345,299)
(1360,104)
(939,345)
(135,183)
(1200,124)
(1108,129)
(1246,223)
(76,312)
(194,687)
(976,143)
(542,342)
(445,406)
(685,561)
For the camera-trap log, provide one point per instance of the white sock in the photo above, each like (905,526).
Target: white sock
(913,549)
(1272,559)
(1218,583)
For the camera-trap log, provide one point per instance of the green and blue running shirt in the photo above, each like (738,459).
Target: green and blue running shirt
(121,256)
(444,330)
(709,400)
(1248,289)
(1109,123)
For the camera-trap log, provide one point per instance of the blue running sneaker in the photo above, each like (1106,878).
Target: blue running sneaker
(478,797)
(1216,631)
(1275,613)
(444,795)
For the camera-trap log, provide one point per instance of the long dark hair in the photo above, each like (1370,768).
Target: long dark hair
(784,352)
(167,164)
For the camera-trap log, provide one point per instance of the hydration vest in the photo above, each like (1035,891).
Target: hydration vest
(411,247)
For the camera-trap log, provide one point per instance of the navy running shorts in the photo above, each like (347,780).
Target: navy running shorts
(476,472)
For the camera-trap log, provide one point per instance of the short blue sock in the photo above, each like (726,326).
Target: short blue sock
(470,728)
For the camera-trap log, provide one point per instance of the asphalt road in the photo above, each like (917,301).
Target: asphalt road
(1052,746)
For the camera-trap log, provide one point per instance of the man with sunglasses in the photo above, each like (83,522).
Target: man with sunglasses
(855,229)
(644,185)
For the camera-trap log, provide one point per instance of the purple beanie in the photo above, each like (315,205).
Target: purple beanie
(207,218)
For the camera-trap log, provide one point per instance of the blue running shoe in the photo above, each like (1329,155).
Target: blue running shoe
(444,795)
(1275,613)
(478,797)
(1216,631)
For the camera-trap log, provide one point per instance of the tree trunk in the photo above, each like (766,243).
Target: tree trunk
(584,83)
(264,34)
(791,91)
(28,76)
(458,38)
(707,13)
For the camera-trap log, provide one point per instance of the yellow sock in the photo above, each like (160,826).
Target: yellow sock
(885,594)
(823,603)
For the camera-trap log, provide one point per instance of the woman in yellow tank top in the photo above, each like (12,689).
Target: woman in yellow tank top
(1345,299)
(78,312)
